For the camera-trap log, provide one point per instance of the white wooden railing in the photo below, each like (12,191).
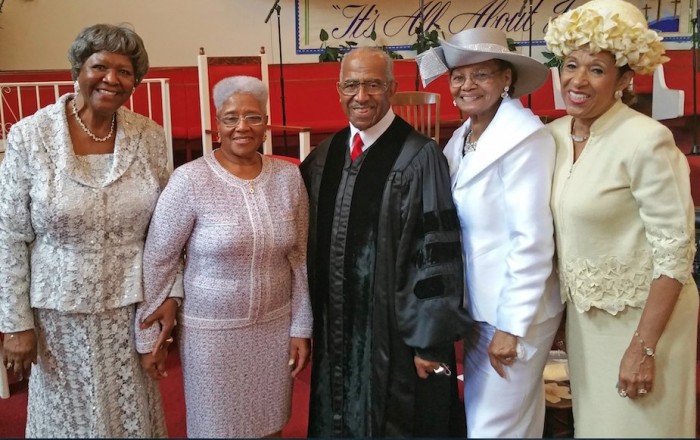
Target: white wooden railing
(20,99)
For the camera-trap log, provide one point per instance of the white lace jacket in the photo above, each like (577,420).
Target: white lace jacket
(69,242)
(623,212)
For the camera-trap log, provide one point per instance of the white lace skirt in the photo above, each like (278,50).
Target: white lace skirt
(89,381)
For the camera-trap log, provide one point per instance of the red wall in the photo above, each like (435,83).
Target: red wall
(311,99)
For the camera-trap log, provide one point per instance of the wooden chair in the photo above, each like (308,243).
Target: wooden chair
(421,110)
(212,69)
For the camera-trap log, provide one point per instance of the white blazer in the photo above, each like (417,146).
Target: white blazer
(502,192)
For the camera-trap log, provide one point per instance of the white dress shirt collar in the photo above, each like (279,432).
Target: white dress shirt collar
(373,133)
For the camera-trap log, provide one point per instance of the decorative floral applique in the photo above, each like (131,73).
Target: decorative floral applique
(614,282)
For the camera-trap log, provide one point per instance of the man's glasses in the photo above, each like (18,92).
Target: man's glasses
(478,77)
(350,88)
(234,120)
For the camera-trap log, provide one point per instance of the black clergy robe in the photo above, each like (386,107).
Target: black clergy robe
(386,282)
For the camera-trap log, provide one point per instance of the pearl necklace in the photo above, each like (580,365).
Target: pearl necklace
(468,145)
(577,138)
(87,130)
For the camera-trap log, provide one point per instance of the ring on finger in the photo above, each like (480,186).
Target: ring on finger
(9,365)
(169,340)
(623,393)
(642,391)
(443,370)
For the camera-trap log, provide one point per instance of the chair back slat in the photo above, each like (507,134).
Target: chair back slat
(421,110)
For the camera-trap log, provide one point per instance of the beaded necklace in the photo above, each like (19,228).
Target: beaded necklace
(469,146)
(87,130)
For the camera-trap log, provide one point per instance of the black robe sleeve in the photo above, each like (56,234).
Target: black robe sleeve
(430,290)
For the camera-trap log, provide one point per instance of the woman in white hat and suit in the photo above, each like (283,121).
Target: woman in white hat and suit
(501,163)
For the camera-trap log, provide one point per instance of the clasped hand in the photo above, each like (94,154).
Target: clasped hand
(154,362)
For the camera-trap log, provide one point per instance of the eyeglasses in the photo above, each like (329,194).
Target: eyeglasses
(234,120)
(479,77)
(350,88)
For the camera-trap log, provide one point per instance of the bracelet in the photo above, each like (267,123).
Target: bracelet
(648,351)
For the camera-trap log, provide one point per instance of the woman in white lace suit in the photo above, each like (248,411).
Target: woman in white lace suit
(242,220)
(80,181)
(624,222)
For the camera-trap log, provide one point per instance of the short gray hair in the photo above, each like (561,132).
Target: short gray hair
(106,37)
(369,50)
(228,87)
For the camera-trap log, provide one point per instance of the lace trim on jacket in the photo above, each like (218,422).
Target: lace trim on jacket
(613,282)
(673,252)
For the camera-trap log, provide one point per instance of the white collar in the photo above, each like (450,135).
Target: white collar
(373,133)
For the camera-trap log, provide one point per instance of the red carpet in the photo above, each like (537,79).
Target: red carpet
(13,411)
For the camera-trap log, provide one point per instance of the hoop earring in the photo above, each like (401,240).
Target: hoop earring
(454,103)
(504,94)
(618,94)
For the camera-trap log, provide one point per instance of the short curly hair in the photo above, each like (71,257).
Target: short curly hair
(615,26)
(106,37)
(228,87)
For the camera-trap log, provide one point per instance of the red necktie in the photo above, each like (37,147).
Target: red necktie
(356,147)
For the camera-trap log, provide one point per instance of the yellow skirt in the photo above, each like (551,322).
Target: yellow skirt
(596,341)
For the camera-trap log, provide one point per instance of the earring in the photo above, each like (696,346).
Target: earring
(76,87)
(618,94)
(505,92)
(454,103)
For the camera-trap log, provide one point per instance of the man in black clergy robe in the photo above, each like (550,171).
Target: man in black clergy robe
(385,270)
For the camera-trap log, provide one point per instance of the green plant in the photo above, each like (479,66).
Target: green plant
(336,53)
(552,60)
(332,53)
(426,40)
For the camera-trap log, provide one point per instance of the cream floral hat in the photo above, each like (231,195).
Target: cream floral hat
(613,25)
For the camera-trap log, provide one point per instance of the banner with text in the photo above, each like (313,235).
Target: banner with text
(393,23)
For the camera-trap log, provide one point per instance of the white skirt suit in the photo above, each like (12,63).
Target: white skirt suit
(502,192)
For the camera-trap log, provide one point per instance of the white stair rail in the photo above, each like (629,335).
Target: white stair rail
(21,99)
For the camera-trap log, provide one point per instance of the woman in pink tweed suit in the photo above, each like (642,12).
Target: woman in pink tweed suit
(242,220)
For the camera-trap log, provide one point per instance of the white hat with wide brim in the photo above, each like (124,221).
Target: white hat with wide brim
(476,45)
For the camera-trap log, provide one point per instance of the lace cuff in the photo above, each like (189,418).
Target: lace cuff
(672,251)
